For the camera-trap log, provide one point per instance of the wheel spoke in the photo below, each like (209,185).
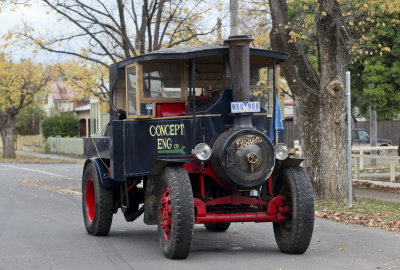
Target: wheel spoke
(165,213)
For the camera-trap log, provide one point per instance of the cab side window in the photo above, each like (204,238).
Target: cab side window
(162,81)
(131,90)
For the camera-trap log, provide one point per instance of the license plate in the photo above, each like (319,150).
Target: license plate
(245,107)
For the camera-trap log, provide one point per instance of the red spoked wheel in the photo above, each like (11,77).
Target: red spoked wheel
(90,201)
(175,212)
(165,213)
(97,203)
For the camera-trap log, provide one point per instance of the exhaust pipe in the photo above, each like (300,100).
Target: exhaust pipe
(239,58)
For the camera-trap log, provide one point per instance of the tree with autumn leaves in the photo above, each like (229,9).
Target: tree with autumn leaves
(321,37)
(20,84)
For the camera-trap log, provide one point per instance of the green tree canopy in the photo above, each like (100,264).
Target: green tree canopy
(376,68)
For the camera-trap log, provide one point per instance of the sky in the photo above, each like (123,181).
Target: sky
(38,17)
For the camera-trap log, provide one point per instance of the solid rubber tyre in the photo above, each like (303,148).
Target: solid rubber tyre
(217,227)
(97,204)
(293,236)
(175,212)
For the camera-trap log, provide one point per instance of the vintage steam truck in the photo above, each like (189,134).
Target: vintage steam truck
(192,139)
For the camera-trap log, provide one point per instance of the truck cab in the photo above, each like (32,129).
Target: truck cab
(193,140)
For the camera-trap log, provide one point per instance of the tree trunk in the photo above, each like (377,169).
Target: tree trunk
(7,134)
(322,129)
(319,98)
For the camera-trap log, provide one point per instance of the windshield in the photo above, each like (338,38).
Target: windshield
(261,86)
(363,135)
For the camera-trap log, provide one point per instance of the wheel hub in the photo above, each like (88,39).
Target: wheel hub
(165,213)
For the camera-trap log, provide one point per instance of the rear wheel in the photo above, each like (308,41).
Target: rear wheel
(97,203)
(294,234)
(175,212)
(217,227)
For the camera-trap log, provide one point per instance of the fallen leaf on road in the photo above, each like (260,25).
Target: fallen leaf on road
(365,220)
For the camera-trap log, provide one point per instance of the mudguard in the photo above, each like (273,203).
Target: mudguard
(102,172)
(289,162)
(292,161)
(150,201)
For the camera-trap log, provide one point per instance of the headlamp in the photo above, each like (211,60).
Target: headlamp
(281,151)
(202,151)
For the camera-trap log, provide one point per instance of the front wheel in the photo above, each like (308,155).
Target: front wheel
(97,203)
(294,234)
(175,212)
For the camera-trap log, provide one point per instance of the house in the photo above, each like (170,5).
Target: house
(90,113)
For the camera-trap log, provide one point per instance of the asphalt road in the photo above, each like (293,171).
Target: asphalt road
(41,227)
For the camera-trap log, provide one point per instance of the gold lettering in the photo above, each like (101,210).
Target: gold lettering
(152,133)
(169,143)
(163,130)
(172,130)
(164,143)
(159,144)
(166,130)
(245,141)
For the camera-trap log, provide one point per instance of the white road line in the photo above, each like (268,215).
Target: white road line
(39,171)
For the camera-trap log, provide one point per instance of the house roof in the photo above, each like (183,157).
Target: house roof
(61,92)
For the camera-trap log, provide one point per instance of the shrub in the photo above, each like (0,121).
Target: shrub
(64,125)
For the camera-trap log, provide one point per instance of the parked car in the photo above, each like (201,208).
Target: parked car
(361,137)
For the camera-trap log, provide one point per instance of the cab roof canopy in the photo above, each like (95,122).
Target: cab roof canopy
(197,51)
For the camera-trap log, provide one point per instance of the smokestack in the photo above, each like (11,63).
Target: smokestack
(239,60)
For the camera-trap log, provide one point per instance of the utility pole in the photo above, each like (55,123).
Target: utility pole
(234,8)
(349,176)
(373,132)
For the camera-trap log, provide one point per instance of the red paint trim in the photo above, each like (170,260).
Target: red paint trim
(196,167)
(235,217)
(165,213)
(270,185)
(201,184)
(200,208)
(235,199)
(132,186)
(274,203)
(275,212)
(90,200)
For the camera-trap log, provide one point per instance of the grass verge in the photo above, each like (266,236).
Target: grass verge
(367,212)
(22,158)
